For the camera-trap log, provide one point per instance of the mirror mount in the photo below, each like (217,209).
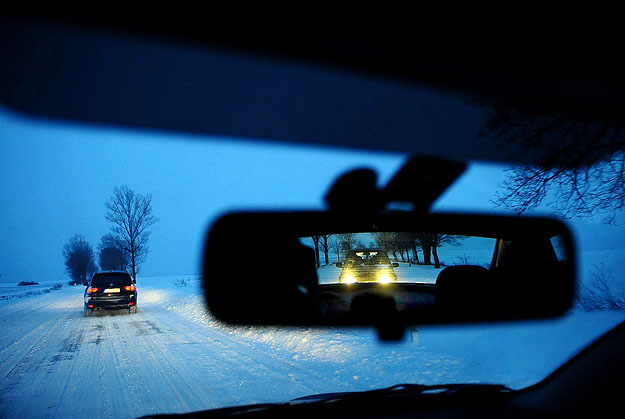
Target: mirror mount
(356,191)
(433,175)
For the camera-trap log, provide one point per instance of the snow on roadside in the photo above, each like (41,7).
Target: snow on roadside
(12,292)
(515,354)
(297,361)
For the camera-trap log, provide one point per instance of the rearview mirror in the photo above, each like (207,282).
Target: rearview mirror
(395,268)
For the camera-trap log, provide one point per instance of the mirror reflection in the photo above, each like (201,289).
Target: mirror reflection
(395,257)
(372,273)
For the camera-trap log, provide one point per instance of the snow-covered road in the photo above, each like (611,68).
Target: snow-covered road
(58,363)
(172,356)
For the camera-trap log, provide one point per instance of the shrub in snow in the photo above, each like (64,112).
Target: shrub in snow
(24,283)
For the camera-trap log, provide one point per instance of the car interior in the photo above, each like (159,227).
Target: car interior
(352,87)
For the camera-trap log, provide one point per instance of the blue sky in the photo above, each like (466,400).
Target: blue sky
(55,178)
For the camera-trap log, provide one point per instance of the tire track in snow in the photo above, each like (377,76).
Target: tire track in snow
(266,363)
(61,364)
(26,350)
(317,382)
(42,333)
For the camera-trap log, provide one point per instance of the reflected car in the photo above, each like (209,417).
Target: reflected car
(110,290)
(367,266)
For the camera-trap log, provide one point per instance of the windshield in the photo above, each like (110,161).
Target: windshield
(65,187)
(367,257)
(118,280)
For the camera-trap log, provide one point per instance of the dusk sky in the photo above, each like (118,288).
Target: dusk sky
(55,178)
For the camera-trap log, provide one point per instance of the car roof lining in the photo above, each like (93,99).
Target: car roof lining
(342,86)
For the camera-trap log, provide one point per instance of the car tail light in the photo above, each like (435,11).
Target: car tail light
(91,290)
(131,303)
(129,288)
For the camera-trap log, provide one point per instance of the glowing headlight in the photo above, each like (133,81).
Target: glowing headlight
(384,279)
(349,279)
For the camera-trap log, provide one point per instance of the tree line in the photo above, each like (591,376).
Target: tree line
(398,245)
(406,244)
(124,248)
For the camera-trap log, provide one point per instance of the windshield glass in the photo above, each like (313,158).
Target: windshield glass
(82,198)
(119,280)
(172,356)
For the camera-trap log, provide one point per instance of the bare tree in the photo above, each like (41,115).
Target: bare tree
(430,242)
(602,292)
(579,165)
(348,242)
(336,246)
(411,241)
(387,241)
(399,242)
(111,254)
(324,244)
(315,240)
(131,215)
(79,259)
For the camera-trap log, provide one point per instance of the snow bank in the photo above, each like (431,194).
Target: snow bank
(12,292)
(515,354)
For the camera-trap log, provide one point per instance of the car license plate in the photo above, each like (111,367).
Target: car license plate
(111,290)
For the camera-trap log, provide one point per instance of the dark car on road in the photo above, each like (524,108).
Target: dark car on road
(367,265)
(111,290)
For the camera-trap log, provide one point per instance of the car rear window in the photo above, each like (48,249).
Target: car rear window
(117,280)
(372,257)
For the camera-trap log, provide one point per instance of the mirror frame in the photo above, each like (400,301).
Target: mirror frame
(235,293)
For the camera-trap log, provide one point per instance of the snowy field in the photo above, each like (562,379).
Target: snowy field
(172,356)
(11,291)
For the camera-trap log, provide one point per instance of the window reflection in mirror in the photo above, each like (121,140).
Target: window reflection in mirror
(395,257)
(440,275)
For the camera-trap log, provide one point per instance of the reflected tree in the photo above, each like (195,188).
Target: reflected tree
(336,247)
(347,241)
(430,242)
(387,241)
(324,244)
(401,243)
(316,240)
